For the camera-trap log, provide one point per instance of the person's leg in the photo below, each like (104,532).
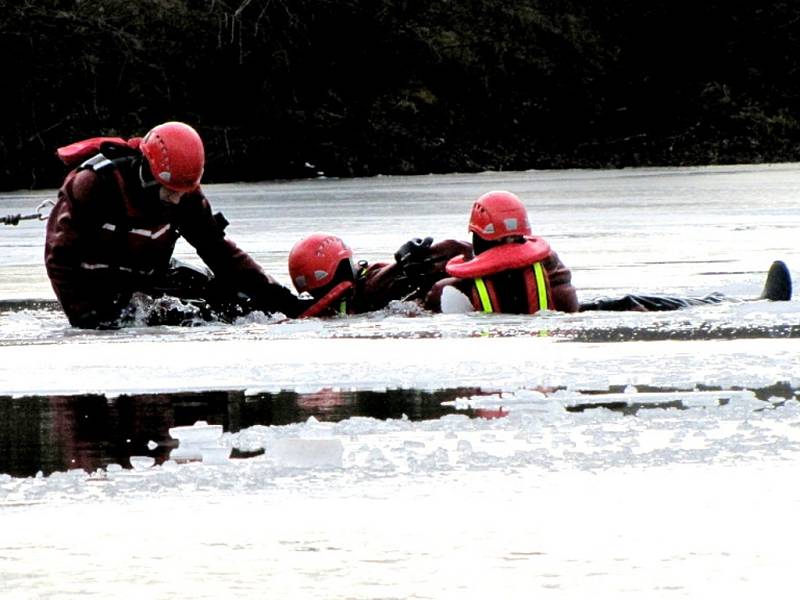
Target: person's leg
(651,303)
(185,294)
(777,287)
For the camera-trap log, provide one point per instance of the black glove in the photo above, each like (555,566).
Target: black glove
(414,254)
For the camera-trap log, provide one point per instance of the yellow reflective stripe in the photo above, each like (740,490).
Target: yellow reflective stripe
(541,285)
(343,307)
(483,294)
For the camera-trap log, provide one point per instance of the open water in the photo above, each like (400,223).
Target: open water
(401,454)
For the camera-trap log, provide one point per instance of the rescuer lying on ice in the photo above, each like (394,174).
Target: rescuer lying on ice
(513,271)
(113,229)
(322,265)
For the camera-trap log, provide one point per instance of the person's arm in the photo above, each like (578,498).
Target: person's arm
(419,264)
(231,265)
(565,298)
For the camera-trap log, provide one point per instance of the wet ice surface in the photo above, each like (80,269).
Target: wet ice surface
(639,455)
(685,502)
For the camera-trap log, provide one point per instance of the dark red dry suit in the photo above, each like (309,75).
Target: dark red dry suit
(513,271)
(367,287)
(109,236)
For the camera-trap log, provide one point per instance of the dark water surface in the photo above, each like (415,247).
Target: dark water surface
(89,432)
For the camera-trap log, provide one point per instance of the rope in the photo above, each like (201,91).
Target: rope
(38,215)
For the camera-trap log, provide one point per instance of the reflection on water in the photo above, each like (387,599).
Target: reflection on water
(632,406)
(89,432)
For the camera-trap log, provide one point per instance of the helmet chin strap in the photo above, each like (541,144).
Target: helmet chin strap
(152,182)
(328,299)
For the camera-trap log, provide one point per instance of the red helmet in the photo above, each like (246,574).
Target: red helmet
(313,261)
(175,154)
(496,215)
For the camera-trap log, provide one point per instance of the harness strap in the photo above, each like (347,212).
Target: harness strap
(123,224)
(109,171)
(536,281)
(483,295)
(541,285)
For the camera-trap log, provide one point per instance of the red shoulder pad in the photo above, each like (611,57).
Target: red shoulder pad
(77,152)
(499,258)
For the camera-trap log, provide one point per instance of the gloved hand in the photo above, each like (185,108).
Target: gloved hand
(414,254)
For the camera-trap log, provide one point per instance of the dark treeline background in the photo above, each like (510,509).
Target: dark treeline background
(361,87)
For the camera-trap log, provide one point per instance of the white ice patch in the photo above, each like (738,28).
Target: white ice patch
(454,301)
(558,502)
(305,453)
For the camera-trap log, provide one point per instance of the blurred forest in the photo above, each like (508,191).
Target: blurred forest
(288,89)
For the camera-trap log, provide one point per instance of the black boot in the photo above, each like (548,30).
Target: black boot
(778,286)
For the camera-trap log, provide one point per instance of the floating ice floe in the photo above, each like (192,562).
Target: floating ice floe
(199,442)
(309,445)
(141,463)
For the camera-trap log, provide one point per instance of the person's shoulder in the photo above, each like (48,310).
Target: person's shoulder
(193,205)
(367,270)
(553,261)
(453,242)
(195,198)
(84,177)
(82,185)
(452,247)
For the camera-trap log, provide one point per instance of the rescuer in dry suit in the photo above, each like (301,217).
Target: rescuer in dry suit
(322,265)
(505,269)
(513,271)
(113,229)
